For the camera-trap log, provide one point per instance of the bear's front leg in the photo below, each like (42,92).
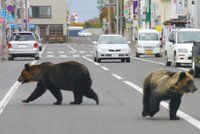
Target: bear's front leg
(173,106)
(39,90)
(154,105)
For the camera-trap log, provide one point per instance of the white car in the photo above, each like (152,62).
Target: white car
(178,47)
(84,33)
(148,42)
(110,46)
(23,44)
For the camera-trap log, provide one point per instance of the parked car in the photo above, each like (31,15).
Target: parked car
(110,46)
(178,47)
(37,36)
(84,33)
(196,59)
(148,42)
(23,44)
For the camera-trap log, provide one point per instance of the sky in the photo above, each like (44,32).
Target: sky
(86,9)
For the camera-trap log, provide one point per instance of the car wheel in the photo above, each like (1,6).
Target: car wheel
(122,60)
(128,60)
(95,59)
(176,64)
(98,60)
(137,54)
(37,57)
(167,63)
(11,57)
(40,48)
(196,69)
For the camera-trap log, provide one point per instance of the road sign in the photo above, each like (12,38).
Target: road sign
(10,8)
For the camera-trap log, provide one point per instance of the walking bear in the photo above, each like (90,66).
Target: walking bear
(71,76)
(165,85)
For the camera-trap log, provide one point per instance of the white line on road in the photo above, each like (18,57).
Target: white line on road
(61,52)
(50,56)
(105,68)
(155,62)
(62,56)
(91,60)
(11,92)
(49,52)
(74,50)
(117,76)
(82,51)
(180,113)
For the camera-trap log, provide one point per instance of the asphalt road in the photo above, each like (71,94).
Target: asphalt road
(117,84)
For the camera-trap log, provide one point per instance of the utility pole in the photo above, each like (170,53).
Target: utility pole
(117,10)
(121,17)
(109,17)
(3,33)
(22,15)
(15,16)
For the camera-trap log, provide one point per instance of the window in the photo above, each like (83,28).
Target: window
(40,12)
(55,30)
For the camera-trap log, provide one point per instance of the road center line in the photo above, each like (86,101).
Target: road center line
(180,113)
(117,76)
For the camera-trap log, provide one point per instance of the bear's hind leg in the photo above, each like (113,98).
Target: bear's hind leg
(173,106)
(78,97)
(57,94)
(91,94)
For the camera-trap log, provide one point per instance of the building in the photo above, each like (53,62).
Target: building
(47,17)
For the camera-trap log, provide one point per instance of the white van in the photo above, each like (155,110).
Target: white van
(148,42)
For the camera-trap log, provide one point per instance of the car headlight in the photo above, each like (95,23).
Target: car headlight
(181,50)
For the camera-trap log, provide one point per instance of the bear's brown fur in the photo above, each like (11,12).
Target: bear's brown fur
(165,85)
(71,76)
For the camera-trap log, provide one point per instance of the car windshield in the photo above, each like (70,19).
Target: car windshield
(148,36)
(188,36)
(112,40)
(22,37)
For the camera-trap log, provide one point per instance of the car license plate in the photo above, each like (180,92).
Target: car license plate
(22,46)
(149,52)
(115,55)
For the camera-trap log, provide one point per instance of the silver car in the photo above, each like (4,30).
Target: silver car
(23,44)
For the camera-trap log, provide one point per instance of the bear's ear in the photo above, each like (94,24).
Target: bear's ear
(191,71)
(27,66)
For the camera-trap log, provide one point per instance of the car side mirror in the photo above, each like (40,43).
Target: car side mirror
(94,42)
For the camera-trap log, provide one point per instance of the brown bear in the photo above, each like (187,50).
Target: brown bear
(165,85)
(71,76)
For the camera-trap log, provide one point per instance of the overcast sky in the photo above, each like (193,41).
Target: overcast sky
(87,9)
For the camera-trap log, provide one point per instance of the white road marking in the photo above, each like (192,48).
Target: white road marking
(74,50)
(91,60)
(117,76)
(76,56)
(71,52)
(40,54)
(105,68)
(82,51)
(91,51)
(50,56)
(11,92)
(180,113)
(62,56)
(50,52)
(88,55)
(155,62)
(61,52)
